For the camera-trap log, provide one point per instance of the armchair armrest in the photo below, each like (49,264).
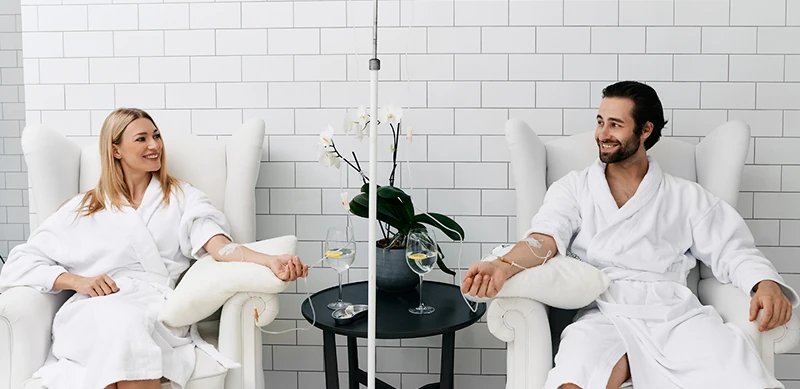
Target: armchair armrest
(26,319)
(523,324)
(240,339)
(734,307)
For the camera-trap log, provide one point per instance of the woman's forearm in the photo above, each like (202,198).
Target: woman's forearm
(240,254)
(66,281)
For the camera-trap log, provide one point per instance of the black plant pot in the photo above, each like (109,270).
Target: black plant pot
(392,272)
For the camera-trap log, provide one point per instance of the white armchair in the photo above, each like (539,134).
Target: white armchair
(533,330)
(226,170)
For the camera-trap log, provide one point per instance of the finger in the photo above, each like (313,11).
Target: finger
(476,284)
(473,270)
(754,306)
(777,316)
(292,275)
(95,292)
(305,271)
(484,285)
(466,284)
(788,315)
(767,315)
(105,288)
(111,283)
(490,289)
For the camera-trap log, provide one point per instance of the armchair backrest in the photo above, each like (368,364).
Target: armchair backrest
(225,169)
(716,163)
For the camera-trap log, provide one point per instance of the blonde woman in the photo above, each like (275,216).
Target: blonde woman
(121,247)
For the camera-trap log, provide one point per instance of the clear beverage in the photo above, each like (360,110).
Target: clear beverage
(421,254)
(340,259)
(421,262)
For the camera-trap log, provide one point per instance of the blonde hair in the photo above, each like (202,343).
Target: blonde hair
(112,185)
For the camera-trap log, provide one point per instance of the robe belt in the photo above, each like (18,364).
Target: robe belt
(662,311)
(615,273)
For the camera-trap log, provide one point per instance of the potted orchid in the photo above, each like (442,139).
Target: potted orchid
(396,214)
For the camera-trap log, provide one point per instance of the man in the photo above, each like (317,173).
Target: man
(645,229)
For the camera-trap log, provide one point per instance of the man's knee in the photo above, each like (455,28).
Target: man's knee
(620,373)
(569,386)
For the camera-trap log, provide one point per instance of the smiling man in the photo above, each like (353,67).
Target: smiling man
(646,230)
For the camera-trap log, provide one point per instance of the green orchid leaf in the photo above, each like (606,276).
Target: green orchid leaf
(437,220)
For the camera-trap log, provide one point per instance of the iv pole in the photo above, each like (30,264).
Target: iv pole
(374,67)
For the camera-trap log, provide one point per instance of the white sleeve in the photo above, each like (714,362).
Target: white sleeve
(36,263)
(200,221)
(559,215)
(722,241)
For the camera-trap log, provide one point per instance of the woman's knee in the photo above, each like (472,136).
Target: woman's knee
(569,386)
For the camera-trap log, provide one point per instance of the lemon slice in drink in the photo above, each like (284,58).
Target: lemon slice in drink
(333,253)
(417,256)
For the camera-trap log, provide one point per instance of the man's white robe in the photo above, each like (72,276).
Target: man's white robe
(647,247)
(118,337)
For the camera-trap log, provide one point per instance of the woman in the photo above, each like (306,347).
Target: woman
(121,247)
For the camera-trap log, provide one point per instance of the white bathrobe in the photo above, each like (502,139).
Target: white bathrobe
(101,340)
(647,247)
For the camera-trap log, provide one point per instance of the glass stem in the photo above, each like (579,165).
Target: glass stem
(420,292)
(340,287)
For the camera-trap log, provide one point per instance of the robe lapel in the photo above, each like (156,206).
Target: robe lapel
(598,185)
(142,239)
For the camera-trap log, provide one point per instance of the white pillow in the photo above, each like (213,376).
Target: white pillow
(208,283)
(562,282)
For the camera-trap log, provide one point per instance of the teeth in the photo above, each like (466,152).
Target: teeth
(152,157)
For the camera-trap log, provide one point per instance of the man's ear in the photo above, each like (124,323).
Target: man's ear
(647,129)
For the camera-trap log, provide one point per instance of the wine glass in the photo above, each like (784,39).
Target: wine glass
(340,252)
(421,254)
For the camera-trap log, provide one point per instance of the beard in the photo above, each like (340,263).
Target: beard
(625,150)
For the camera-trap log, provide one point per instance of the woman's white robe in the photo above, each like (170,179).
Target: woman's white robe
(119,337)
(647,247)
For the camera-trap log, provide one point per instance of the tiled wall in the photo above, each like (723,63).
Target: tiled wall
(13,182)
(204,67)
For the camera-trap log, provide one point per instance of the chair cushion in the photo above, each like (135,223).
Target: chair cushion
(208,284)
(576,283)
(207,374)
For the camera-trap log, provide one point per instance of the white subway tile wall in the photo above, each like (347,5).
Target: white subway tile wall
(204,67)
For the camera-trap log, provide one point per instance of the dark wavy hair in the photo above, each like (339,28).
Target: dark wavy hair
(646,107)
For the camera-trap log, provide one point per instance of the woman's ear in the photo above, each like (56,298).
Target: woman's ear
(115,152)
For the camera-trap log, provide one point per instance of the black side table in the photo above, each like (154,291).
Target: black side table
(393,322)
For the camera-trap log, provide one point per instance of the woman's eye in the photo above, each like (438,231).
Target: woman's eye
(157,136)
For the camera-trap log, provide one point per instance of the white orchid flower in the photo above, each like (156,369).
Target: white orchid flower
(325,153)
(356,121)
(390,113)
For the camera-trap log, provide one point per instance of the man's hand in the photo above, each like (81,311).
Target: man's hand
(485,279)
(287,267)
(101,285)
(776,306)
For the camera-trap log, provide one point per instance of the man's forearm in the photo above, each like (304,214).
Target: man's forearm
(528,255)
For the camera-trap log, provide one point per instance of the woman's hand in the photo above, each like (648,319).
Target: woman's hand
(286,267)
(101,285)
